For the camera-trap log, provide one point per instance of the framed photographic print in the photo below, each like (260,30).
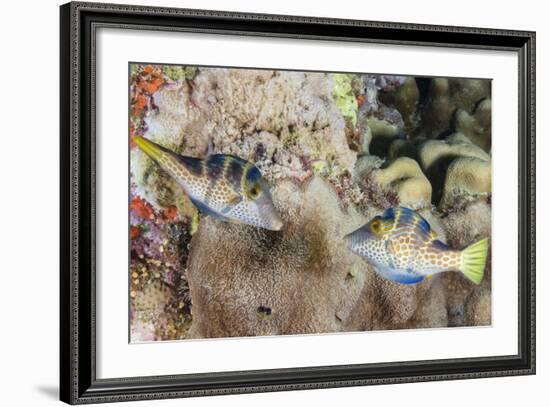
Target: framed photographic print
(257,203)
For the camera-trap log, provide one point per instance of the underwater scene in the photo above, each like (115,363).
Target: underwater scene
(275,202)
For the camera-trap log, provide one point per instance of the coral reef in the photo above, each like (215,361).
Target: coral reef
(336,150)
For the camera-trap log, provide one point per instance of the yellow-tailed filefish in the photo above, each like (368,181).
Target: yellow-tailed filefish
(402,247)
(223,186)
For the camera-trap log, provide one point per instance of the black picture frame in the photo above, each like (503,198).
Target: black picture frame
(78,382)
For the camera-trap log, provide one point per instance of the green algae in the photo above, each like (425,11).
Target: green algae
(344,96)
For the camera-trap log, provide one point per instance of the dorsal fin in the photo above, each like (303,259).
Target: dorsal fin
(210,150)
(408,216)
(215,165)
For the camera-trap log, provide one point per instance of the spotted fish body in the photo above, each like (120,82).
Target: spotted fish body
(402,247)
(223,186)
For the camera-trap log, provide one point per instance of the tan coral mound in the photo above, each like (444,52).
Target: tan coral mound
(476,126)
(467,178)
(456,168)
(406,178)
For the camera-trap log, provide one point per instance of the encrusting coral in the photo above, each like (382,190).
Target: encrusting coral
(336,150)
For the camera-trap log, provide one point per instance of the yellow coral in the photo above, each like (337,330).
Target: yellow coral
(467,177)
(405,177)
(458,170)
(344,97)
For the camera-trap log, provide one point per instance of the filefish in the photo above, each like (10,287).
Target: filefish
(222,186)
(402,247)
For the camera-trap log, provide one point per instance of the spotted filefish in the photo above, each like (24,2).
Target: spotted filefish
(402,247)
(223,186)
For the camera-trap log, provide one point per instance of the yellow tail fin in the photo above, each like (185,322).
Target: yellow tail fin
(473,260)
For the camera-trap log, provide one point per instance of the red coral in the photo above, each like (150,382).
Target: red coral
(132,133)
(139,103)
(146,82)
(149,79)
(134,232)
(171,213)
(142,208)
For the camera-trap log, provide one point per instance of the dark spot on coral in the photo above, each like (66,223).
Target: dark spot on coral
(259,80)
(455,315)
(435,174)
(265,310)
(259,151)
(380,146)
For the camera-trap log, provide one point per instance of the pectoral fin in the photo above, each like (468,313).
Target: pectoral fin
(232,201)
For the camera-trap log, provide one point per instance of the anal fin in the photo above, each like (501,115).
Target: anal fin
(402,277)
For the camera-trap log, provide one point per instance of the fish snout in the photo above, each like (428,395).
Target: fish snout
(348,241)
(276,223)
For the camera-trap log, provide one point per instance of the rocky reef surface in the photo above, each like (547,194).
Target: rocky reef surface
(337,149)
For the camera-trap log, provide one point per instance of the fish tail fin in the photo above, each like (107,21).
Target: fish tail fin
(473,260)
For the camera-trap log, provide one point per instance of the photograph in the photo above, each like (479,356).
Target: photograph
(257,202)
(268,202)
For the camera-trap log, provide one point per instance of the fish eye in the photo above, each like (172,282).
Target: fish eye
(376,225)
(255,191)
